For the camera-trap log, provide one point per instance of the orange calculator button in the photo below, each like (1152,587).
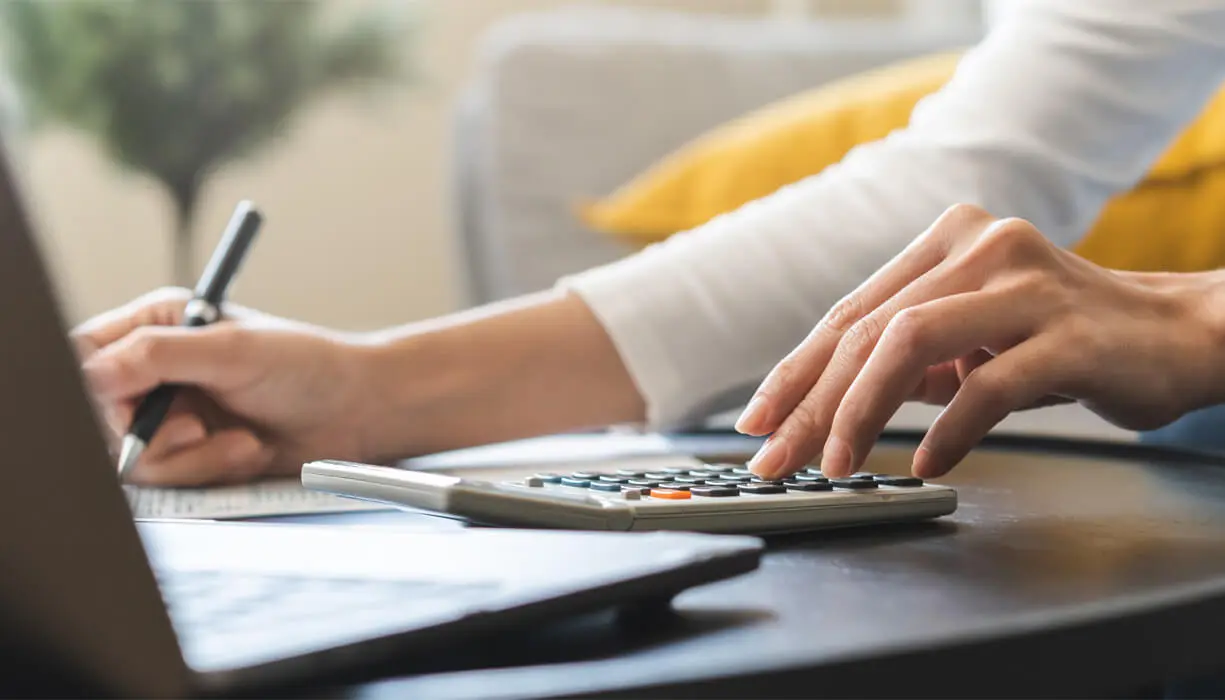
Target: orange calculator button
(671,494)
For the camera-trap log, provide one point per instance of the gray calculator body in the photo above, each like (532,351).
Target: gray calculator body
(526,498)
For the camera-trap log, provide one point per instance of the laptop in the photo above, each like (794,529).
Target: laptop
(94,603)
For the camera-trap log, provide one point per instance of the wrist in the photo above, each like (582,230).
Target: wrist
(1201,323)
(405,380)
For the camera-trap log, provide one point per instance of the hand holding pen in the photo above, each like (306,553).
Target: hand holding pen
(203,309)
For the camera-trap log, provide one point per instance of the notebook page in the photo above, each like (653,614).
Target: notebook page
(263,499)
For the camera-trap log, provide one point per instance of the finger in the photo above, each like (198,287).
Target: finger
(177,432)
(163,307)
(803,434)
(226,457)
(938,386)
(1017,378)
(929,334)
(149,356)
(787,385)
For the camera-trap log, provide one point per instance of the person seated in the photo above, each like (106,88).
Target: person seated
(844,276)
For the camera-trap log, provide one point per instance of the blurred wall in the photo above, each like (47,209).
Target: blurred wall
(356,194)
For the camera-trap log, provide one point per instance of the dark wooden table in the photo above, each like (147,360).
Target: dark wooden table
(1068,569)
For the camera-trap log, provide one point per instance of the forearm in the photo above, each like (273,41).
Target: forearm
(532,366)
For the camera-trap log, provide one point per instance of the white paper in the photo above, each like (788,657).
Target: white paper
(263,499)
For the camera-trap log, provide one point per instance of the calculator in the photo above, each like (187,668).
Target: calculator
(653,493)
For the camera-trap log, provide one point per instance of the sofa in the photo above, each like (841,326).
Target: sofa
(569,104)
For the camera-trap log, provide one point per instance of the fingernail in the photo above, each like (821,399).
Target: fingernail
(836,460)
(752,416)
(769,459)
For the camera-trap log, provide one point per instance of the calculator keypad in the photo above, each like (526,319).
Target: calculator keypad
(716,481)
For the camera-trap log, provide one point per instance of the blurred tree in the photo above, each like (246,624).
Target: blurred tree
(176,89)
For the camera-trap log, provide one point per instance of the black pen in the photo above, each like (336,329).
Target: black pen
(203,309)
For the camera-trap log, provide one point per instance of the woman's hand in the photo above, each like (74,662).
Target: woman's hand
(261,394)
(988,316)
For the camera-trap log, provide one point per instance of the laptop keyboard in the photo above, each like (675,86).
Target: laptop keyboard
(208,608)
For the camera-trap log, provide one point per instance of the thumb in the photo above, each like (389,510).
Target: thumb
(210,358)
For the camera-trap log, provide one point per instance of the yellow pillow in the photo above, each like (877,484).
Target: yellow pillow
(1173,220)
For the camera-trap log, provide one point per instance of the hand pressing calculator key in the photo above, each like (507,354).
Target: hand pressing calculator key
(687,495)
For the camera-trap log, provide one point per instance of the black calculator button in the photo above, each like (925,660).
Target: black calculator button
(605,486)
(886,480)
(810,477)
(809,486)
(815,471)
(587,476)
(675,486)
(735,478)
(549,478)
(658,476)
(867,476)
(630,473)
(613,479)
(719,468)
(853,483)
(673,471)
(763,489)
(704,474)
(715,491)
(721,482)
(648,483)
(689,480)
(577,483)
(640,490)
(770,482)
(742,470)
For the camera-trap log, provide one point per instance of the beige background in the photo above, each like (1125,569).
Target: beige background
(359,227)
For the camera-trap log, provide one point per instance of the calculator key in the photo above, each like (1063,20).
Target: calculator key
(770,482)
(721,482)
(689,480)
(865,475)
(669,494)
(630,473)
(886,480)
(535,482)
(632,494)
(703,474)
(720,468)
(809,486)
(762,489)
(715,491)
(649,483)
(608,478)
(853,483)
(586,476)
(673,470)
(658,476)
(810,477)
(640,490)
(675,486)
(577,483)
(742,470)
(815,471)
(549,478)
(735,478)
(605,486)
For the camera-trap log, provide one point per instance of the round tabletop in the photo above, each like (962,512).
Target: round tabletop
(1067,571)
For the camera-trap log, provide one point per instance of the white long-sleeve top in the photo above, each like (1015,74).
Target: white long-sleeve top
(1063,104)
